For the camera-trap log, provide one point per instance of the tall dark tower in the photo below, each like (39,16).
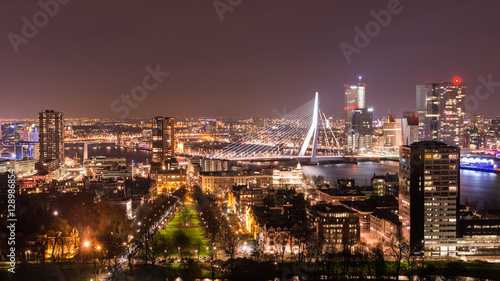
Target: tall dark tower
(51,136)
(163,139)
(117,135)
(429,195)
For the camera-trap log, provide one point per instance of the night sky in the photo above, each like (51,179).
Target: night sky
(264,55)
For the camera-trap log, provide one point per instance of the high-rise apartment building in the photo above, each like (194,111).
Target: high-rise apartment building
(429,194)
(451,112)
(163,139)
(421,110)
(51,136)
(354,99)
(362,126)
(444,111)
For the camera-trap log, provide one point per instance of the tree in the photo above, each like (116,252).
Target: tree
(59,229)
(378,264)
(399,251)
(111,218)
(40,248)
(229,244)
(302,233)
(186,215)
(181,241)
(83,217)
(198,244)
(156,247)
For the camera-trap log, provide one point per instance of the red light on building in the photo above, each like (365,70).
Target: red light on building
(456,80)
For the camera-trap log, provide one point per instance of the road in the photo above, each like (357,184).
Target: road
(131,251)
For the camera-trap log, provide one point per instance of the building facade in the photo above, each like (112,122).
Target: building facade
(288,177)
(51,137)
(362,129)
(163,139)
(336,225)
(354,99)
(213,181)
(429,194)
(444,111)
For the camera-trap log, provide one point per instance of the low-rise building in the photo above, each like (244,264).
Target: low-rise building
(336,225)
(276,237)
(213,181)
(288,177)
(107,167)
(22,168)
(385,184)
(385,225)
(334,195)
(170,180)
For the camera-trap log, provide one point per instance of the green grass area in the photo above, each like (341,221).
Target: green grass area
(194,233)
(193,217)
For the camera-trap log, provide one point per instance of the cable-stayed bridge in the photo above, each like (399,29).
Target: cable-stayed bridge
(303,133)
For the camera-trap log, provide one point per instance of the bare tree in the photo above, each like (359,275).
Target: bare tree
(377,266)
(399,251)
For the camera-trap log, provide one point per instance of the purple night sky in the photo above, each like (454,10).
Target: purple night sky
(263,55)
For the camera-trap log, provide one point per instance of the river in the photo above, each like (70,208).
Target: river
(475,185)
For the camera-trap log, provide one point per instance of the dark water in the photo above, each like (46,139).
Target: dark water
(475,185)
(109,150)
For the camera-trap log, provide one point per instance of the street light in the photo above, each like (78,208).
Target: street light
(86,243)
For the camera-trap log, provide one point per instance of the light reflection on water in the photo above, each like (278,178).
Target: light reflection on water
(474,185)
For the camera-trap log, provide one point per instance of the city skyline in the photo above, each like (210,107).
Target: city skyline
(250,140)
(209,68)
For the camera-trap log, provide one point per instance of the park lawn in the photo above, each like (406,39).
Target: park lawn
(178,217)
(194,233)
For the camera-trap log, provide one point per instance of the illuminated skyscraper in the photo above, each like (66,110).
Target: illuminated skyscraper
(354,99)
(445,111)
(429,195)
(362,126)
(452,112)
(51,138)
(163,139)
